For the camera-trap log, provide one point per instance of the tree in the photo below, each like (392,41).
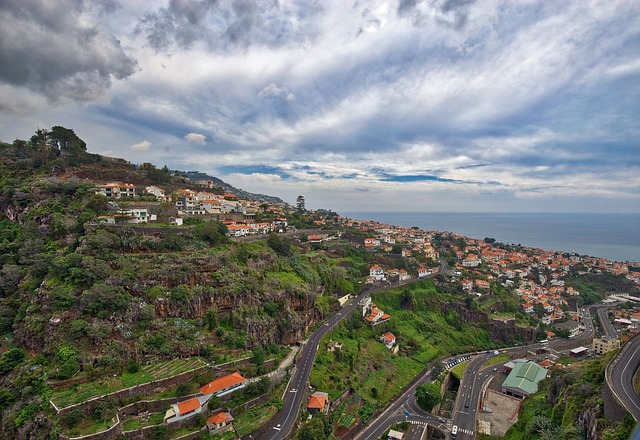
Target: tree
(300,204)
(65,139)
(211,318)
(10,359)
(428,396)
(213,232)
(214,402)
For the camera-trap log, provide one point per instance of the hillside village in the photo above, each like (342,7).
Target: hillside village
(536,276)
(73,269)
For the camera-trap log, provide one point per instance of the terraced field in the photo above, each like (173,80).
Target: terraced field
(74,394)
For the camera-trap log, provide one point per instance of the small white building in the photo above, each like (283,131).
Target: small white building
(376,272)
(155,191)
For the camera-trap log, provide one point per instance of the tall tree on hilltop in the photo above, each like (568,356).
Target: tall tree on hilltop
(300,204)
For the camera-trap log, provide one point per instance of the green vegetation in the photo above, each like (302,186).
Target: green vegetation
(593,287)
(138,422)
(428,396)
(566,405)
(248,421)
(458,370)
(68,396)
(498,359)
(359,361)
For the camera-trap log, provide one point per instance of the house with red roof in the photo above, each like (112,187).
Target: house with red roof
(371,242)
(182,410)
(403,275)
(388,339)
(376,272)
(223,385)
(318,403)
(219,423)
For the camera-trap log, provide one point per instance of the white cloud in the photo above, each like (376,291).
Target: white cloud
(274,90)
(520,99)
(196,138)
(141,146)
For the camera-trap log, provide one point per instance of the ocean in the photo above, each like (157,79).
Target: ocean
(612,236)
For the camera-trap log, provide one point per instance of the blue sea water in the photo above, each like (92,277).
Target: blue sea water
(613,236)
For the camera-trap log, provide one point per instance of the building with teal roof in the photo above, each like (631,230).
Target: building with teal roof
(523,379)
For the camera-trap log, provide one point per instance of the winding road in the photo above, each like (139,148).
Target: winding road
(281,424)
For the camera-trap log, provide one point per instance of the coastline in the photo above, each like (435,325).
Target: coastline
(614,236)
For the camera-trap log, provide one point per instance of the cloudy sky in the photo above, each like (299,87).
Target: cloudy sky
(398,105)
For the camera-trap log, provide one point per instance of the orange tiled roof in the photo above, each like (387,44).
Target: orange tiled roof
(222,383)
(388,337)
(220,417)
(188,405)
(316,402)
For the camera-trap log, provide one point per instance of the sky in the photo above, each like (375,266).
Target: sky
(403,105)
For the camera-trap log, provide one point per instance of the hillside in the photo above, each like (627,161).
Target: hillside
(569,405)
(85,302)
(197,175)
(59,152)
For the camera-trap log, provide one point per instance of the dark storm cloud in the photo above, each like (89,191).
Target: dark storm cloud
(222,25)
(406,6)
(52,48)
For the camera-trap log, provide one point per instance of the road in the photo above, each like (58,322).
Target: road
(470,390)
(605,322)
(467,401)
(283,422)
(624,366)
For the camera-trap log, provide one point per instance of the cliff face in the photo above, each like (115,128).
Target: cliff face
(506,331)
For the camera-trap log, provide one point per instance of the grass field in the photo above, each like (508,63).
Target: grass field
(252,419)
(141,421)
(458,370)
(74,394)
(426,329)
(90,426)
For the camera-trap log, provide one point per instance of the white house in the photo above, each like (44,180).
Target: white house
(186,200)
(116,190)
(155,191)
(471,261)
(388,339)
(212,206)
(371,242)
(423,272)
(376,272)
(403,275)
(183,410)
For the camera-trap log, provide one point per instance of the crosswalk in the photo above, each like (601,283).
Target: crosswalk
(460,430)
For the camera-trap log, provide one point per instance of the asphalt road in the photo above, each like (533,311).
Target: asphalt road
(470,390)
(607,327)
(468,399)
(624,367)
(282,423)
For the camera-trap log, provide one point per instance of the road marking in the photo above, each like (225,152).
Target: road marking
(276,428)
